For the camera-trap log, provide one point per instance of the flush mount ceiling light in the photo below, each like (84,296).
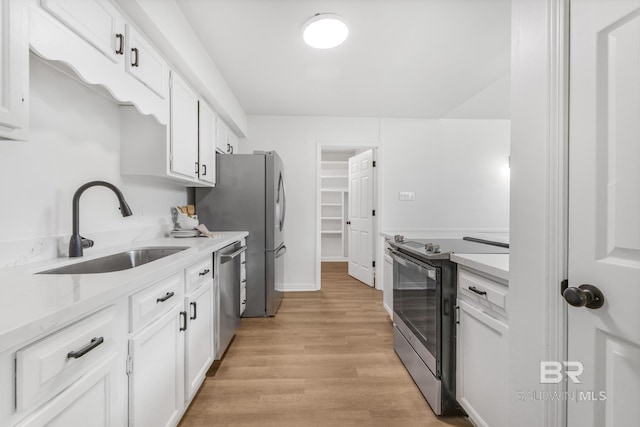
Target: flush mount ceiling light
(324,31)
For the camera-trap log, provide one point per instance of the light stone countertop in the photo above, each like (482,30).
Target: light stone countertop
(31,304)
(496,265)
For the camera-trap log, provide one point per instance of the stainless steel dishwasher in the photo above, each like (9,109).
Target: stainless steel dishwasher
(227,303)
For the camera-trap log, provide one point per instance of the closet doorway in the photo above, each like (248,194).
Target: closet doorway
(347,201)
(334,204)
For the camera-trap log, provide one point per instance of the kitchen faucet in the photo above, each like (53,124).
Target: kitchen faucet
(77,242)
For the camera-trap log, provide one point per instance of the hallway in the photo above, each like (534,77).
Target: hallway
(326,359)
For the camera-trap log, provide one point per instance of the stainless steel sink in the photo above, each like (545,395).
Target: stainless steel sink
(117,262)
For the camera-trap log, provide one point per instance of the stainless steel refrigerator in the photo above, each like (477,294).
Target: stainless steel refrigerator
(250,195)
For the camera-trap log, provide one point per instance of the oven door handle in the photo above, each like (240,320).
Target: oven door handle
(423,268)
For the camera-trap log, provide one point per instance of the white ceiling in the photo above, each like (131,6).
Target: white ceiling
(403,58)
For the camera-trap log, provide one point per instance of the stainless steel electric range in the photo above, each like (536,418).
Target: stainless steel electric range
(424,298)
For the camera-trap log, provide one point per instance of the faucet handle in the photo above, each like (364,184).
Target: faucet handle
(86,243)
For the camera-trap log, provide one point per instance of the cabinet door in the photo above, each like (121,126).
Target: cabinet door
(184,128)
(233,142)
(481,368)
(199,344)
(145,63)
(222,135)
(96,399)
(156,378)
(96,21)
(14,69)
(207,143)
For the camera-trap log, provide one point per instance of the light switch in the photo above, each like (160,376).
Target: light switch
(407,196)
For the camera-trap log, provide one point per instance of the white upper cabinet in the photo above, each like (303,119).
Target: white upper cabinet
(207,143)
(94,38)
(233,142)
(222,136)
(14,69)
(226,139)
(145,63)
(184,128)
(98,22)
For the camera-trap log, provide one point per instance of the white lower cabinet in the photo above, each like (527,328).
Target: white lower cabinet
(138,361)
(72,376)
(199,338)
(482,351)
(90,401)
(156,377)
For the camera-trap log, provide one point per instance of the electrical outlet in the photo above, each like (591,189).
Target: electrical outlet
(407,196)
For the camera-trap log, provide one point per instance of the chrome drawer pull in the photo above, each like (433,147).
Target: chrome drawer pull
(166,297)
(84,350)
(204,272)
(477,291)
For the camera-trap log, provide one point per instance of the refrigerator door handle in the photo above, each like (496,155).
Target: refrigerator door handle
(280,251)
(282,201)
(228,257)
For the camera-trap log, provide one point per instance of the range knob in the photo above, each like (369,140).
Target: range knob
(399,238)
(436,249)
(429,247)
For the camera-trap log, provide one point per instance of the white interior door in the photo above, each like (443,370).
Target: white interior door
(604,212)
(361,253)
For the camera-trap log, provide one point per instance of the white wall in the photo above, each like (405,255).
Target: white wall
(461,186)
(74,138)
(295,140)
(458,170)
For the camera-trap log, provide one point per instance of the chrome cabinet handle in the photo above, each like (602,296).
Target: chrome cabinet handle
(204,170)
(204,272)
(86,349)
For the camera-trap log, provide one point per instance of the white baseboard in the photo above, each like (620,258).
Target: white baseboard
(304,287)
(389,310)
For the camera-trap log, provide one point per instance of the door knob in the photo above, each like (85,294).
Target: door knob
(584,296)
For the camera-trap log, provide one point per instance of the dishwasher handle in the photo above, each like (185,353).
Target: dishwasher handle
(228,257)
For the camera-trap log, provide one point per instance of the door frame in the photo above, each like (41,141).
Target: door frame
(539,221)
(349,145)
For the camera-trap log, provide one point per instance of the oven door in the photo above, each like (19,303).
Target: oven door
(416,307)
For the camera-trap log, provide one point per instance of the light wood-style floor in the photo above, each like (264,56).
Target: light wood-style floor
(326,359)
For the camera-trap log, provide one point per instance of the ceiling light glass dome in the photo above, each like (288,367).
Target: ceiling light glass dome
(325,31)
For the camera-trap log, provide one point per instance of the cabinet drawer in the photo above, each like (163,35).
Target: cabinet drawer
(199,273)
(482,291)
(149,303)
(50,365)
